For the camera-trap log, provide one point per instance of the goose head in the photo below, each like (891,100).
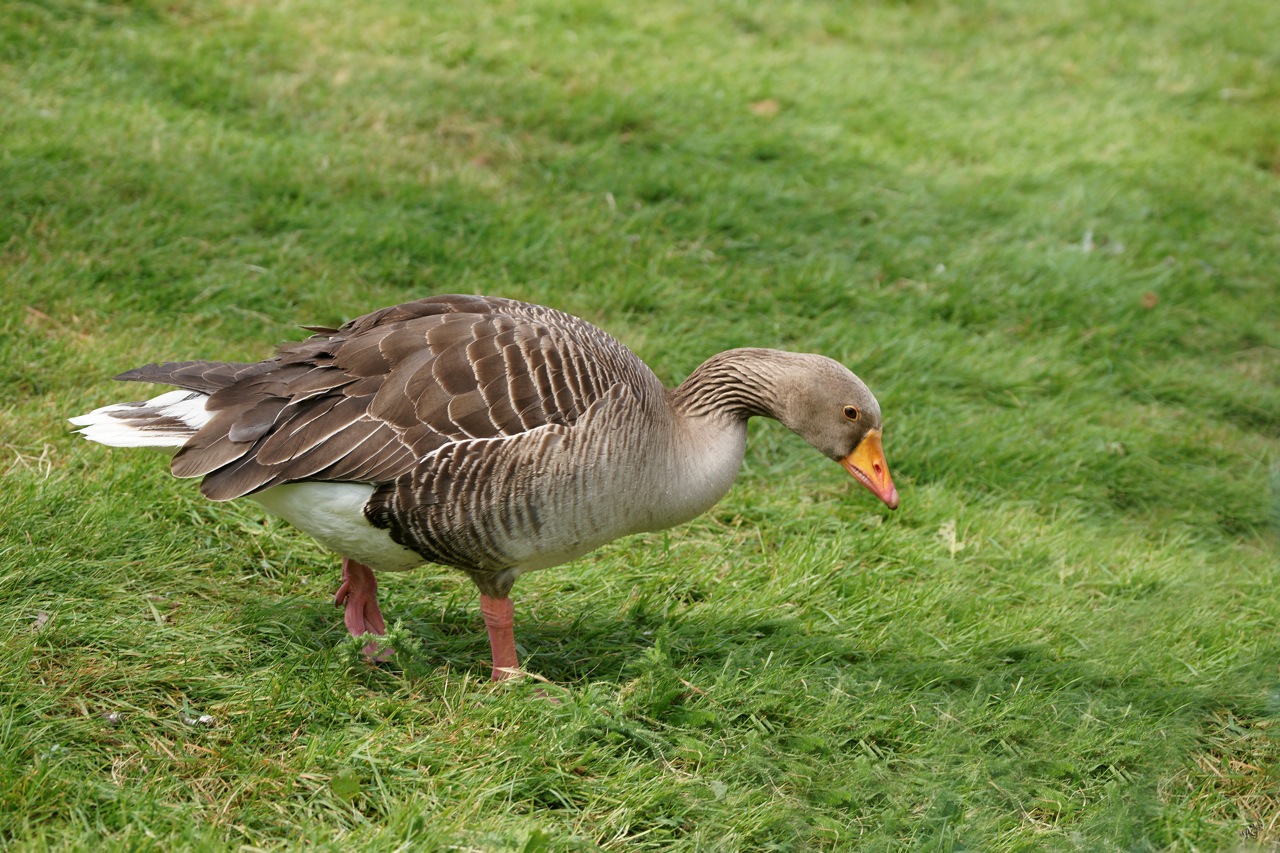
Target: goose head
(824,403)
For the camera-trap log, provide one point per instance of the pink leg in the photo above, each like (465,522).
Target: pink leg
(359,592)
(500,618)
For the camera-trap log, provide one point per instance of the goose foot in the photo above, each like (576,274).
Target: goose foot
(500,619)
(359,593)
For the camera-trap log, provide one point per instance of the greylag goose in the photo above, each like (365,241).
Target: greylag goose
(481,433)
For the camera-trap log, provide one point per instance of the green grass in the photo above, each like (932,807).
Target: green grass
(1045,234)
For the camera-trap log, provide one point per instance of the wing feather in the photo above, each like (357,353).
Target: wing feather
(368,401)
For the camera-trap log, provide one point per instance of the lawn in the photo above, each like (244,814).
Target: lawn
(1047,235)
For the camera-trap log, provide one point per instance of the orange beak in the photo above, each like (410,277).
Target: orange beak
(868,465)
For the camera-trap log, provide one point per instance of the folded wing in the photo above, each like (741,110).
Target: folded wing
(367,401)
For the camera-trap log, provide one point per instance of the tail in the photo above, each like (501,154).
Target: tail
(168,420)
(164,421)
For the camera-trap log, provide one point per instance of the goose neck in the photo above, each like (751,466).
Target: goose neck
(736,384)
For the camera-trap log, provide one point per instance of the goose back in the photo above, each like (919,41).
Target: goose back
(367,401)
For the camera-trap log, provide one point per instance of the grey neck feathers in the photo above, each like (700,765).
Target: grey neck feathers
(738,383)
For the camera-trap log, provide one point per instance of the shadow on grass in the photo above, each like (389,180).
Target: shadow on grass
(700,646)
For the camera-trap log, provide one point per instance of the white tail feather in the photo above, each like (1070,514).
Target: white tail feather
(164,421)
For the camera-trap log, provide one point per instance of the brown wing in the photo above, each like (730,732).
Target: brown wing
(365,402)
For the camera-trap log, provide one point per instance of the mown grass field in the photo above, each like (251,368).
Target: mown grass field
(1047,235)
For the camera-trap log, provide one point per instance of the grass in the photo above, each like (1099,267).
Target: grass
(1045,234)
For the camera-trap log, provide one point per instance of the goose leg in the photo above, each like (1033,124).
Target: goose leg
(500,618)
(359,593)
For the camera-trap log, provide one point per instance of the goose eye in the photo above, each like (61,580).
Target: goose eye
(851,413)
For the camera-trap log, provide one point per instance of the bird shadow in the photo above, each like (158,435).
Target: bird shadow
(697,644)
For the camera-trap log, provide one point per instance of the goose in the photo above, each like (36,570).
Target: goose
(486,434)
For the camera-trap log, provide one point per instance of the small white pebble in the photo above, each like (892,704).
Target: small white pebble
(112,718)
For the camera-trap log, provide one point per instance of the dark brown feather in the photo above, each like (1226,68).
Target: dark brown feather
(203,376)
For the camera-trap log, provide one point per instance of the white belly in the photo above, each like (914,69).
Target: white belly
(333,515)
